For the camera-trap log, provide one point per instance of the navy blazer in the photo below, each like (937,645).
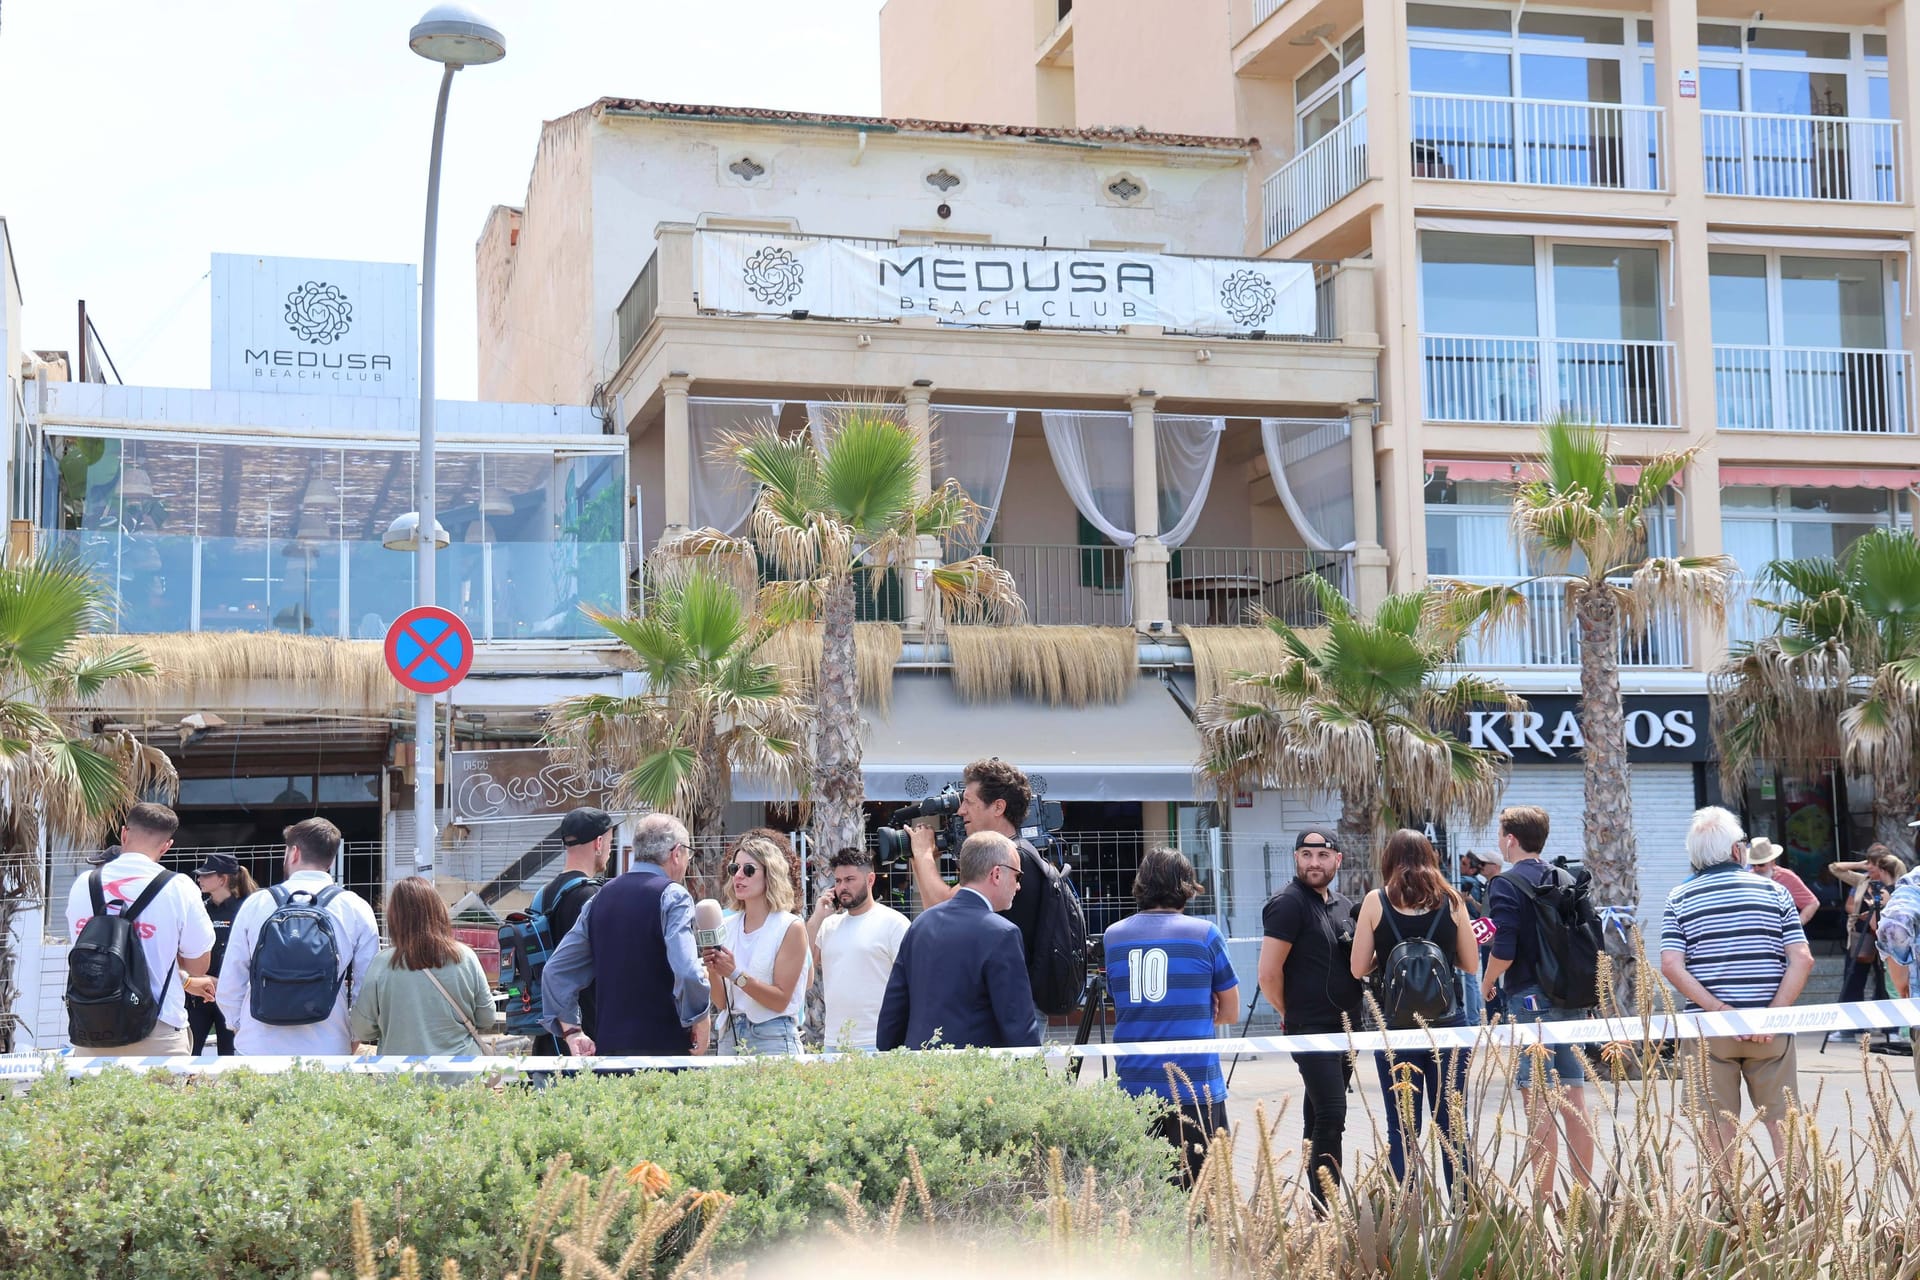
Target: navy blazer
(961,972)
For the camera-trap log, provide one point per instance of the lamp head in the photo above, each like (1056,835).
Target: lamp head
(453,34)
(404,533)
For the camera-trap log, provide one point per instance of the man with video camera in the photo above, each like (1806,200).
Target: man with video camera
(996,799)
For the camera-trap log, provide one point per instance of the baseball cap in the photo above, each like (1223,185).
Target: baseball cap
(584,825)
(1761,851)
(101,857)
(218,864)
(1327,837)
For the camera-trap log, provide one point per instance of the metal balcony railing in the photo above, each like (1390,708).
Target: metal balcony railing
(1530,380)
(1524,140)
(1264,9)
(1813,389)
(636,310)
(1550,637)
(1748,153)
(1316,179)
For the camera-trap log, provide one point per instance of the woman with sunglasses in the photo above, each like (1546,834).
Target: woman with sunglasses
(759,977)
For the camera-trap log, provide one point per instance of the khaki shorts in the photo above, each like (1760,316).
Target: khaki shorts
(165,1042)
(1770,1071)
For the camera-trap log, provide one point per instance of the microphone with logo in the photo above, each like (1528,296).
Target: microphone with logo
(709,930)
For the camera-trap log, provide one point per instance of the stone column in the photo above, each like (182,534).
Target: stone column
(677,448)
(922,606)
(1370,562)
(1700,535)
(1147,561)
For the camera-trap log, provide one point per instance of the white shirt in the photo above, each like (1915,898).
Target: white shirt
(754,954)
(174,924)
(355,932)
(856,959)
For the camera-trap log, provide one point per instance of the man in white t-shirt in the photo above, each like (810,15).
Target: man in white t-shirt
(175,931)
(311,846)
(854,942)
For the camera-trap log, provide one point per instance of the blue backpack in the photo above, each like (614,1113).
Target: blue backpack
(296,974)
(526,940)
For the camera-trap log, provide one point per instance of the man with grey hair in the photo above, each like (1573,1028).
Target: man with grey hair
(1733,941)
(633,942)
(960,978)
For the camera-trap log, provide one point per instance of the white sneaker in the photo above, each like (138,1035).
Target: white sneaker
(1842,1037)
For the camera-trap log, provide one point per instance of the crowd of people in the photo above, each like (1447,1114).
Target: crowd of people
(632,966)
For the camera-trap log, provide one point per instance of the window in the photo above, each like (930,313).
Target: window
(1759,525)
(1331,91)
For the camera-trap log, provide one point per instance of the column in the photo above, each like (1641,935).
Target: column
(1147,561)
(922,606)
(677,449)
(1688,311)
(1903,93)
(1700,535)
(1370,562)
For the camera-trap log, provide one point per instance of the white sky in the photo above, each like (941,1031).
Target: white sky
(143,136)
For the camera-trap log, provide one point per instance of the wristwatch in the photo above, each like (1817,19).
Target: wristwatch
(738,979)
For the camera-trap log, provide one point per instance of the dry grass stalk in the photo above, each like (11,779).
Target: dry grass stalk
(1218,652)
(235,669)
(1059,666)
(876,652)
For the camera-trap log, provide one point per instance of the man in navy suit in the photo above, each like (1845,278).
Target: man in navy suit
(960,979)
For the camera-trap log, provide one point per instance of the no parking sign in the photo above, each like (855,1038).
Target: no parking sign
(429,649)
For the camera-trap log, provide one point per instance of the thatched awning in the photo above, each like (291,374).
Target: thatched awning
(242,671)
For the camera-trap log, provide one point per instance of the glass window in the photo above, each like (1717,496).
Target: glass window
(1481,285)
(1874,47)
(1645,33)
(1315,78)
(1747,495)
(1573,28)
(1558,78)
(1839,501)
(350,788)
(1737,284)
(1720,91)
(1356,44)
(1719,36)
(1440,17)
(1437,70)
(1832,302)
(1607,292)
(1796,42)
(1798,93)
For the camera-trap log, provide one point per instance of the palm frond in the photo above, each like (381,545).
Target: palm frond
(978,591)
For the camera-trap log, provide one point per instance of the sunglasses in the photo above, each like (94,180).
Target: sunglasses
(743,869)
(1014,867)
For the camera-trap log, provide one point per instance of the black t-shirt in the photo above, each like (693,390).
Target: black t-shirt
(1316,981)
(1025,911)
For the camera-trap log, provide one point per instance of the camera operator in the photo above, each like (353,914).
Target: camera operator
(996,799)
(1871,879)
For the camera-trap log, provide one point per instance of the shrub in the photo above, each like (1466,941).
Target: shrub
(253,1176)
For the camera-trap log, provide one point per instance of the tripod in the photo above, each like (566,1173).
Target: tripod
(1094,1005)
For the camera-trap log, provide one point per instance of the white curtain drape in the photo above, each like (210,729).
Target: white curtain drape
(721,494)
(1312,469)
(973,446)
(1093,452)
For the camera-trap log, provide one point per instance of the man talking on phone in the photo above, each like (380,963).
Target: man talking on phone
(854,940)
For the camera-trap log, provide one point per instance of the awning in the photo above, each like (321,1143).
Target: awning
(1507,472)
(1143,748)
(1562,230)
(1821,477)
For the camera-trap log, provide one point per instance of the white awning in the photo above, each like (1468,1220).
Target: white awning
(1778,240)
(1143,748)
(1564,230)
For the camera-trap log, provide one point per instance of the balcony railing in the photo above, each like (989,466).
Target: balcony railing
(349,589)
(1316,179)
(1748,153)
(1550,637)
(1530,380)
(1524,140)
(1264,9)
(636,310)
(1813,389)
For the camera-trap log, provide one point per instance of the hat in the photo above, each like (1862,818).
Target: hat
(1332,840)
(584,825)
(101,857)
(1761,851)
(218,864)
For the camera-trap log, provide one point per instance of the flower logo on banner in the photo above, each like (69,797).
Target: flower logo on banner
(319,312)
(1248,297)
(773,276)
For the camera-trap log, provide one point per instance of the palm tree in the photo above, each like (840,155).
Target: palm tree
(822,514)
(61,775)
(1839,678)
(1592,542)
(710,707)
(1365,713)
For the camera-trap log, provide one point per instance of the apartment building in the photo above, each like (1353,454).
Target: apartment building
(1690,224)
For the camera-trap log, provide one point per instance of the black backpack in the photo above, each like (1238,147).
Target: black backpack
(109,989)
(1418,984)
(296,961)
(1058,964)
(527,941)
(1570,936)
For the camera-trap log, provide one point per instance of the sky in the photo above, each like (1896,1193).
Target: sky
(144,136)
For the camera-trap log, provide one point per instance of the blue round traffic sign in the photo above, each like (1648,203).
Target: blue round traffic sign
(429,649)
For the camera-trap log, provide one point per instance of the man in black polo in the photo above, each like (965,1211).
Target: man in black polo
(1305,976)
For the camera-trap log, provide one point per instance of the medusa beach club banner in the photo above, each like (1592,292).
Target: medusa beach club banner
(990,285)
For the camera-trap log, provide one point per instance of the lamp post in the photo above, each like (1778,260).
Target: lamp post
(455,37)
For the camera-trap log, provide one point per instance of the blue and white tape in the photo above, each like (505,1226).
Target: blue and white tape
(1864,1016)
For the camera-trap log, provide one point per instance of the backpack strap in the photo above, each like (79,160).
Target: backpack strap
(327,895)
(281,895)
(98,894)
(1440,914)
(1386,914)
(152,891)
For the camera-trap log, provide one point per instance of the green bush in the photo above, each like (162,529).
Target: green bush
(242,1175)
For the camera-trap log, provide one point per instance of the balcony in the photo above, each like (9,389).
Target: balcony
(1316,179)
(1525,381)
(1531,142)
(1801,157)
(1549,636)
(1813,389)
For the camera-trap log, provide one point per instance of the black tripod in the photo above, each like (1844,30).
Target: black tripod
(1094,1005)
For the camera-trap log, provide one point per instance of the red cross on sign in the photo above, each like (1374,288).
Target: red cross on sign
(429,649)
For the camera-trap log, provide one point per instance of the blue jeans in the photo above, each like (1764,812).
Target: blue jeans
(1567,1068)
(1439,1085)
(775,1035)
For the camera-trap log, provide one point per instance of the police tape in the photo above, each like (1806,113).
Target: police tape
(1628,1030)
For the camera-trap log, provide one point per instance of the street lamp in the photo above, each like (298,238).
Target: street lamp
(455,37)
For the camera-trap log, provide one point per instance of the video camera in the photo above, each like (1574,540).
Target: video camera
(894,845)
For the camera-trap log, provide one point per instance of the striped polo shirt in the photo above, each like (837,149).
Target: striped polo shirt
(1733,928)
(1163,969)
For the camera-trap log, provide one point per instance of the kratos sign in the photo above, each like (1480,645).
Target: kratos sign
(1659,728)
(989,285)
